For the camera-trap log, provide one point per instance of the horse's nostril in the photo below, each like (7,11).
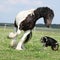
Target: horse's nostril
(48,26)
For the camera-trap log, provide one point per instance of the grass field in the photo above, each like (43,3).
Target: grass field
(34,49)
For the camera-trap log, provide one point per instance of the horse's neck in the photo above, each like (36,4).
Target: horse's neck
(38,14)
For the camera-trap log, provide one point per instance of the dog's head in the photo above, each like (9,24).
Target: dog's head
(43,39)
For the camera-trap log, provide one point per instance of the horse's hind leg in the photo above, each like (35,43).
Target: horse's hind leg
(21,42)
(13,43)
(28,37)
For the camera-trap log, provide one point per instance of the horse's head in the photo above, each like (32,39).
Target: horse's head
(48,17)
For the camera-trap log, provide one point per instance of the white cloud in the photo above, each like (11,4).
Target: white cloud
(8,5)
(38,2)
(2,8)
(23,2)
(18,1)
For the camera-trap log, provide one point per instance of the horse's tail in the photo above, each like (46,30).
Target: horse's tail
(17,31)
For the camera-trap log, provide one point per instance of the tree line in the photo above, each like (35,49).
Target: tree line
(37,25)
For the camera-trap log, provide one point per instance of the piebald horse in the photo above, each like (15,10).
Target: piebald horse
(26,21)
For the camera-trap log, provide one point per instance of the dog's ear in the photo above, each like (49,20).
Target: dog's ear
(41,39)
(46,38)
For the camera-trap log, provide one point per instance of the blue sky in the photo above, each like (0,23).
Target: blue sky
(9,9)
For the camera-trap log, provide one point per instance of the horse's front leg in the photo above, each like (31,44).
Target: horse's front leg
(21,42)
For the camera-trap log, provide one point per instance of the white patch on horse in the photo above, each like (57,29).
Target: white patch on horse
(20,44)
(13,35)
(13,43)
(22,15)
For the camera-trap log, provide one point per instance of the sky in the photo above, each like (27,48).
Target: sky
(10,8)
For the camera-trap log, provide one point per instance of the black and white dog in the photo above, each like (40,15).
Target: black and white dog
(48,41)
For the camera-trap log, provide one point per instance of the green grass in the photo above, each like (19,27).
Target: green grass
(34,49)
